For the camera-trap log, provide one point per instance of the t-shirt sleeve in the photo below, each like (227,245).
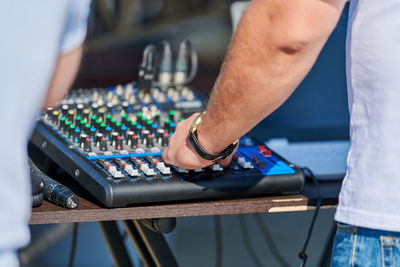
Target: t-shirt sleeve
(75,29)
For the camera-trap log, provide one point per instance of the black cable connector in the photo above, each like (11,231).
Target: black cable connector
(53,191)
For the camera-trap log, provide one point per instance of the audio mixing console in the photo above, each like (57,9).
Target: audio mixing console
(110,141)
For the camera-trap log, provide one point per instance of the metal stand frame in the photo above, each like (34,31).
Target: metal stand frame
(115,244)
(152,248)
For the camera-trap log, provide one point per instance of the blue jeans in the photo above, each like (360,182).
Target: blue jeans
(358,246)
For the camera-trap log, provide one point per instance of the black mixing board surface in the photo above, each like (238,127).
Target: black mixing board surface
(110,141)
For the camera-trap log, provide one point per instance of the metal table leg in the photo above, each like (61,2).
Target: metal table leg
(115,244)
(152,248)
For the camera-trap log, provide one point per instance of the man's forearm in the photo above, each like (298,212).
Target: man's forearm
(64,74)
(274,47)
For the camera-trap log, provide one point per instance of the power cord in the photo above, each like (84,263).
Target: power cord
(302,254)
(218,241)
(73,245)
(247,243)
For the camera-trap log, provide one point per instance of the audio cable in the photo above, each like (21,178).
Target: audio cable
(170,73)
(144,69)
(181,75)
(53,191)
(302,254)
(166,68)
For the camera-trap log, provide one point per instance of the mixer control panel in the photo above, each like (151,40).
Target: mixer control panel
(111,140)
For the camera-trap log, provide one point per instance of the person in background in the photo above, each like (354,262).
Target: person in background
(40,51)
(274,47)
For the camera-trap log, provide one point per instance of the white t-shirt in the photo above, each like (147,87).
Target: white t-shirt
(33,34)
(370,195)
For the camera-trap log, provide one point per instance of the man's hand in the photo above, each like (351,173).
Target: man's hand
(180,151)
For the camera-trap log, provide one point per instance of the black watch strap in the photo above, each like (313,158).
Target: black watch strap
(200,150)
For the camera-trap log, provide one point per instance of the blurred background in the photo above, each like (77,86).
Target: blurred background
(118,32)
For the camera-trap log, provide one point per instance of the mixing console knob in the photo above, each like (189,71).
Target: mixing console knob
(95,106)
(143,121)
(114,136)
(71,130)
(55,116)
(95,95)
(113,122)
(87,147)
(76,134)
(119,90)
(125,105)
(124,118)
(145,133)
(159,134)
(98,139)
(128,122)
(133,125)
(103,144)
(157,117)
(115,100)
(165,140)
(49,112)
(108,119)
(82,139)
(154,128)
(172,127)
(101,112)
(71,114)
(97,123)
(66,128)
(87,129)
(79,109)
(149,123)
(103,128)
(109,106)
(123,130)
(118,143)
(149,141)
(64,109)
(92,132)
(86,113)
(129,89)
(93,119)
(216,167)
(81,125)
(109,95)
(108,131)
(132,100)
(166,124)
(62,123)
(78,118)
(171,115)
(134,141)
(129,136)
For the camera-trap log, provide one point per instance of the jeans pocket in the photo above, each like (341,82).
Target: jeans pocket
(343,246)
(390,249)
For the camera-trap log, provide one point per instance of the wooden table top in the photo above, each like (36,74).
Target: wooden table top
(89,211)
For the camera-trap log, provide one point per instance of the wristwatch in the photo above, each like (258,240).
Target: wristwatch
(200,150)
